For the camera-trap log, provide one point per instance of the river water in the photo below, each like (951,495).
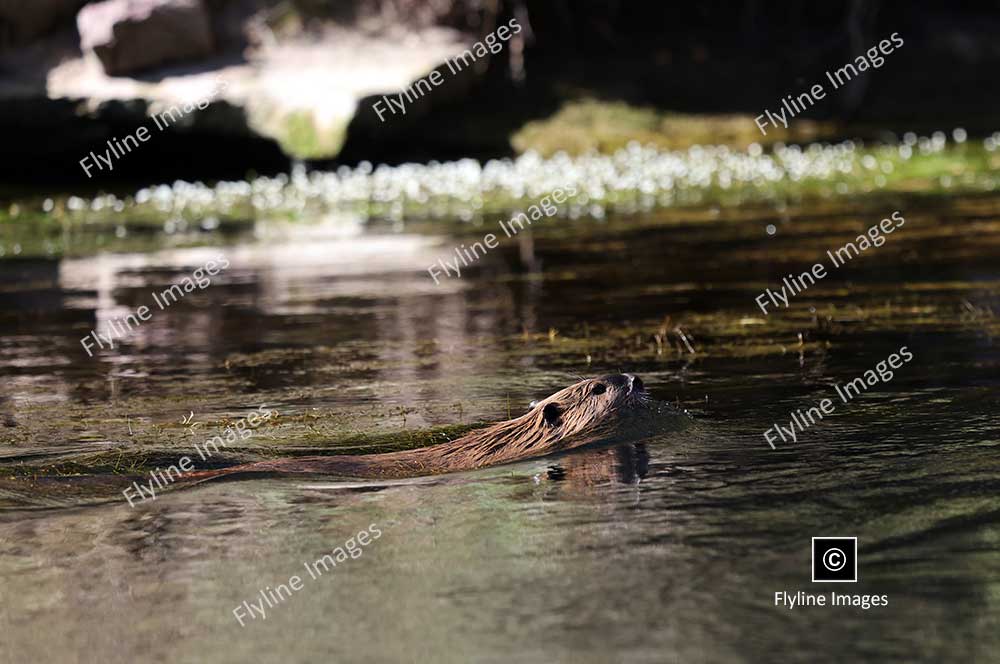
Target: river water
(668,549)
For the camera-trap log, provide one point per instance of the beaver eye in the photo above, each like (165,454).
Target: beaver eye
(599,389)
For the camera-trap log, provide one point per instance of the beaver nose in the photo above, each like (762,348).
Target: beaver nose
(634,383)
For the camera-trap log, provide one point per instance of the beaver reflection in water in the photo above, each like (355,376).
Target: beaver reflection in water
(607,409)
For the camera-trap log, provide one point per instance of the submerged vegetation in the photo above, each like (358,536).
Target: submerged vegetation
(631,180)
(823,187)
(297,435)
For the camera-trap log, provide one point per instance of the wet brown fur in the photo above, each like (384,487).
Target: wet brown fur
(592,410)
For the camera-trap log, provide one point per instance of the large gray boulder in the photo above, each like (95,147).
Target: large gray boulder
(129,36)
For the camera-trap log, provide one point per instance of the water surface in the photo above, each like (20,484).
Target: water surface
(667,550)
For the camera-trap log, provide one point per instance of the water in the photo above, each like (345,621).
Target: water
(667,550)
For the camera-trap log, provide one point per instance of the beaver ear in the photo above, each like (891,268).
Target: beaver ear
(552,413)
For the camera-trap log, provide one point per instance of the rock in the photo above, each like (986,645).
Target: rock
(23,20)
(132,35)
(299,97)
(304,95)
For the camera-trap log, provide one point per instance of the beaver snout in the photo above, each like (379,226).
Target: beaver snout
(628,382)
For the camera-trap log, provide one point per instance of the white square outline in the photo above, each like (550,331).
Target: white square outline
(812,560)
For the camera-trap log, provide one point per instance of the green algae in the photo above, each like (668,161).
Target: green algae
(301,137)
(338,391)
(295,435)
(426,199)
(586,125)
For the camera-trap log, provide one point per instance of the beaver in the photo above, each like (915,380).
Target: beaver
(607,409)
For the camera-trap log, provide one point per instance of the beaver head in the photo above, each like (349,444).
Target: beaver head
(588,411)
(589,404)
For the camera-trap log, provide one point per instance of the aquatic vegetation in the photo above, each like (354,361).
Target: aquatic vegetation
(632,180)
(635,178)
(581,126)
(297,435)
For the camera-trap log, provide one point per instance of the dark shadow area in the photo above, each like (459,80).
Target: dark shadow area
(705,58)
